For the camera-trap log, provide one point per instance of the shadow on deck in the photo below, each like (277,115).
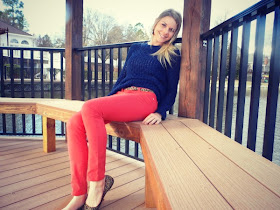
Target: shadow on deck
(32,179)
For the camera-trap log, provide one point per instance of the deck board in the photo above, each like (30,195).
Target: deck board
(231,181)
(261,169)
(32,179)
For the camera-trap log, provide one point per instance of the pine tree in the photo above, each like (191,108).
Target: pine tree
(13,14)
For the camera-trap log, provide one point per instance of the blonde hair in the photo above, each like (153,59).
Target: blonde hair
(168,49)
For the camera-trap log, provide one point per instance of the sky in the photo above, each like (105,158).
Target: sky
(48,16)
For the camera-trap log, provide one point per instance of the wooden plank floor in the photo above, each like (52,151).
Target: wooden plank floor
(32,179)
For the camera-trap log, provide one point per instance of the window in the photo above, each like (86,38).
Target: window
(14,41)
(25,42)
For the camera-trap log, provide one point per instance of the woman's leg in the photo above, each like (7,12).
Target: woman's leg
(89,162)
(124,106)
(78,154)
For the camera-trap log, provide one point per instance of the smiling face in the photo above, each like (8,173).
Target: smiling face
(164,31)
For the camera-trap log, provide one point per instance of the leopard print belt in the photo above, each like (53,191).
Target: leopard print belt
(139,88)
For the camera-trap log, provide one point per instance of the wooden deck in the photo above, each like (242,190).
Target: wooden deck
(32,179)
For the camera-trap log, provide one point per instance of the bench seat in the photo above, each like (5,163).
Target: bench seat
(200,168)
(189,165)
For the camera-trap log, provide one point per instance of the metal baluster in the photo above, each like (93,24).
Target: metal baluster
(62,124)
(83,75)
(32,74)
(103,72)
(52,74)
(22,88)
(12,88)
(61,77)
(136,149)
(2,89)
(111,69)
(256,82)
(207,79)
(96,72)
(12,73)
(126,147)
(2,74)
(231,80)
(110,145)
(42,73)
(21,74)
(222,78)
(242,82)
(214,81)
(120,60)
(32,89)
(118,144)
(273,88)
(89,74)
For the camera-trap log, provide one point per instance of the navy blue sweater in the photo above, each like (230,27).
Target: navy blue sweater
(141,69)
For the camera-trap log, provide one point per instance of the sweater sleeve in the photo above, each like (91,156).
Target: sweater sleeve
(123,72)
(172,83)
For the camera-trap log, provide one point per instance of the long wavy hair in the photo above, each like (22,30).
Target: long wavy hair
(167,49)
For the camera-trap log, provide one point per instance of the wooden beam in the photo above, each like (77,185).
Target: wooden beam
(48,134)
(196,21)
(11,108)
(74,34)
(150,202)
(129,130)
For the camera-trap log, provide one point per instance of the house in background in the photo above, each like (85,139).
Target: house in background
(14,37)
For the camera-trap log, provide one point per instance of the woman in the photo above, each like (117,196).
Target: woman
(145,90)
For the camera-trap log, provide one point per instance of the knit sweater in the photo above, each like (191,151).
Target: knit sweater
(141,69)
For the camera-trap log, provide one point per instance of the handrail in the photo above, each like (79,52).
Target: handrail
(119,45)
(33,48)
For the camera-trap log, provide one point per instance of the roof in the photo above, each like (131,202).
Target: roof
(12,29)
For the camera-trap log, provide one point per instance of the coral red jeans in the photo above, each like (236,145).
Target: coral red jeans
(86,133)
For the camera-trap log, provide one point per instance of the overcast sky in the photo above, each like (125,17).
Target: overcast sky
(48,16)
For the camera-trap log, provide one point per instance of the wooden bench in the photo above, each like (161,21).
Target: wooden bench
(189,165)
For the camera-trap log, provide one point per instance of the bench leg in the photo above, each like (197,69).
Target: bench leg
(48,134)
(149,198)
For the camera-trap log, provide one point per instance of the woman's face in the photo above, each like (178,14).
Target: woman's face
(164,31)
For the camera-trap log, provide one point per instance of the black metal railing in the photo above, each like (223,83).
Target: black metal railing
(30,73)
(241,94)
(243,105)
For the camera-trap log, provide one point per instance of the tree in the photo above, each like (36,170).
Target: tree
(116,35)
(13,15)
(135,33)
(97,27)
(59,41)
(44,41)
(101,29)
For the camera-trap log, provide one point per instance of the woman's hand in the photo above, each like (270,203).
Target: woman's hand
(151,119)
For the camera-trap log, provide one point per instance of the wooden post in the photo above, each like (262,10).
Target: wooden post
(196,21)
(149,198)
(74,34)
(48,134)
